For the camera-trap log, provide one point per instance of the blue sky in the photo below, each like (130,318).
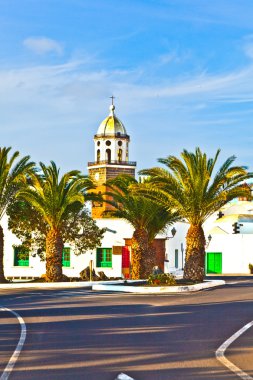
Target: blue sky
(181,72)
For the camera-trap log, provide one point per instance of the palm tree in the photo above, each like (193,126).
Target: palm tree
(12,174)
(193,188)
(55,198)
(146,217)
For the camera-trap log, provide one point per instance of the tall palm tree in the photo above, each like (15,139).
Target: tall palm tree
(12,174)
(54,198)
(193,188)
(146,217)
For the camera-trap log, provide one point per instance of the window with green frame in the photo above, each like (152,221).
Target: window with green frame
(66,257)
(21,257)
(104,257)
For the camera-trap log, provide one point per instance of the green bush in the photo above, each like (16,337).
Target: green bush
(161,279)
(251,268)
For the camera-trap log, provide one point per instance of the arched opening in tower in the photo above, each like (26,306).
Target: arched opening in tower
(98,155)
(120,155)
(108,155)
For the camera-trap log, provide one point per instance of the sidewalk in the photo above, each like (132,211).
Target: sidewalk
(58,285)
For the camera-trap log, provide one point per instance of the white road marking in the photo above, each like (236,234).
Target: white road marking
(221,350)
(231,282)
(123,376)
(8,369)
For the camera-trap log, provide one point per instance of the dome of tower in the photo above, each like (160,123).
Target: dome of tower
(111,125)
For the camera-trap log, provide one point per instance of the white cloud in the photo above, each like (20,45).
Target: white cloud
(74,83)
(60,107)
(43,45)
(246,44)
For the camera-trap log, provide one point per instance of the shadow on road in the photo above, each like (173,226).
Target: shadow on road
(149,338)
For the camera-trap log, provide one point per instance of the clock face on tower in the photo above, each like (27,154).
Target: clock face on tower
(97,176)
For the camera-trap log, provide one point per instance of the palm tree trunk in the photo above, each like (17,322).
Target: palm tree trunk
(54,248)
(195,254)
(139,247)
(2,276)
(148,260)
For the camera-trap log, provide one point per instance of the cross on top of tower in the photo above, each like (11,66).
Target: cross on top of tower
(112,97)
(112,106)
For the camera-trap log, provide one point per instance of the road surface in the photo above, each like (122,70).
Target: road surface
(78,334)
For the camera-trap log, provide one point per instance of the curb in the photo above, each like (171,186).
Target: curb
(158,290)
(114,287)
(58,285)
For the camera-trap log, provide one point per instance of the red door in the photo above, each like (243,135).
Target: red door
(126,262)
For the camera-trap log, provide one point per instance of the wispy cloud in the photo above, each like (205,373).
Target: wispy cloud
(55,101)
(164,59)
(73,78)
(248,46)
(43,45)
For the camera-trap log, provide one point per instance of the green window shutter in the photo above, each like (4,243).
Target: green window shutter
(99,257)
(66,257)
(21,257)
(104,258)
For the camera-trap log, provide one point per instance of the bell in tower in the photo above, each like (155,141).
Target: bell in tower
(111,156)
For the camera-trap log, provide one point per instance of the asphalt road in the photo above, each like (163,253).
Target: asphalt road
(79,334)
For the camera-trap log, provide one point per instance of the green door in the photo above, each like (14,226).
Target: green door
(214,262)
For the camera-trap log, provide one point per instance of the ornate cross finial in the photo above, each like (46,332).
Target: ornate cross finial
(112,97)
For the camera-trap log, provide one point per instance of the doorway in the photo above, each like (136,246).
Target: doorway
(126,262)
(214,262)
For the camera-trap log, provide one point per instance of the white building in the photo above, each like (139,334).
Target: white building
(227,251)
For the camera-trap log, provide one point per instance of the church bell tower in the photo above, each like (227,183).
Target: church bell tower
(111,157)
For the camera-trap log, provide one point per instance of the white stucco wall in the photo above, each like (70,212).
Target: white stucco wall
(177,242)
(235,248)
(119,229)
(237,251)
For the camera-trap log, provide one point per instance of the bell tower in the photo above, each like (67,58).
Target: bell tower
(111,157)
